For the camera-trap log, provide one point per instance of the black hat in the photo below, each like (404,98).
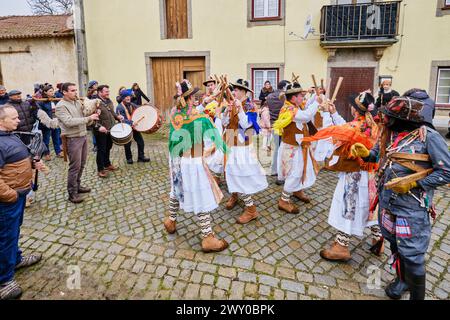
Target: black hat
(294,88)
(242,84)
(363,103)
(14,92)
(282,85)
(405,108)
(185,89)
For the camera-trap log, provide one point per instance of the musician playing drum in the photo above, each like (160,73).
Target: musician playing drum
(126,109)
(107,119)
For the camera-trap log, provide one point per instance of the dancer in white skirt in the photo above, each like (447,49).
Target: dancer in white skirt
(296,166)
(193,189)
(243,172)
(350,210)
(214,158)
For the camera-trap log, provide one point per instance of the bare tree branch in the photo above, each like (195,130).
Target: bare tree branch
(50,7)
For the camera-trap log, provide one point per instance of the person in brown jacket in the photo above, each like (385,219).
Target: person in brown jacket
(15,183)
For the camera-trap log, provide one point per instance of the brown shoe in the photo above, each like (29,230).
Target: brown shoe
(60,155)
(171,226)
(231,203)
(111,168)
(48,157)
(249,214)
(103,174)
(84,190)
(300,195)
(212,244)
(288,207)
(76,199)
(336,253)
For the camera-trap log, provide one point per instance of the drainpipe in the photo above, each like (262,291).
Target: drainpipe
(81,50)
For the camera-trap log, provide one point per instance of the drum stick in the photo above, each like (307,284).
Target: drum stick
(137,122)
(336,90)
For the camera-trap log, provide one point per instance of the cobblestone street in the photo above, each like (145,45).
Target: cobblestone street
(117,240)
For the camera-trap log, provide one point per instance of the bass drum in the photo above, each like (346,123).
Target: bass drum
(121,134)
(146,119)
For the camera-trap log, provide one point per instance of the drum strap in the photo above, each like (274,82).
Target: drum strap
(127,112)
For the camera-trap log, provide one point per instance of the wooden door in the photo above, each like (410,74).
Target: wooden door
(176,19)
(167,71)
(355,80)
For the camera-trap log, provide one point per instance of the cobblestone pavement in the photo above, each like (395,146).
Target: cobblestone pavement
(117,240)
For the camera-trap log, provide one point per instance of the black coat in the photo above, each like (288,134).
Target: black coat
(137,98)
(27,117)
(4,99)
(263,95)
(384,98)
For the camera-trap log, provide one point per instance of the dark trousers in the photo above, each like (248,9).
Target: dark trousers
(104,146)
(77,150)
(137,136)
(55,134)
(11,218)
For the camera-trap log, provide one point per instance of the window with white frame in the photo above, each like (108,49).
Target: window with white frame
(447,3)
(443,86)
(266,9)
(260,76)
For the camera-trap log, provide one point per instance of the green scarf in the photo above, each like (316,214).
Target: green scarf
(194,129)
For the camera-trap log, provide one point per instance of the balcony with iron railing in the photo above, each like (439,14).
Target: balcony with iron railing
(369,25)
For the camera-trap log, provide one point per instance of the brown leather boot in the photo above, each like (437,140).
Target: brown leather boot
(232,202)
(171,226)
(249,214)
(212,244)
(300,195)
(336,253)
(288,207)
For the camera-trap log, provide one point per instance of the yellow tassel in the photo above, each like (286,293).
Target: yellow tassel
(284,119)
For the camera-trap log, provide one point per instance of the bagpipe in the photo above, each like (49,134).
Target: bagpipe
(37,148)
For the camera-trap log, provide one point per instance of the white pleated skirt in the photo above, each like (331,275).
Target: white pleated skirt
(360,221)
(293,160)
(194,191)
(244,173)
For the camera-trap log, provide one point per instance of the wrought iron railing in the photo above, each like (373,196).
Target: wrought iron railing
(370,21)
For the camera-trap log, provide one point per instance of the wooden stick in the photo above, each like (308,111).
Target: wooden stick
(315,84)
(336,90)
(328,89)
(408,179)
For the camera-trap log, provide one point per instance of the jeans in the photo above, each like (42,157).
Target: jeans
(77,149)
(11,218)
(55,134)
(104,146)
(276,142)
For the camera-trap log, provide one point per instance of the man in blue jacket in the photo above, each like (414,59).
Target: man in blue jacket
(125,109)
(414,161)
(15,182)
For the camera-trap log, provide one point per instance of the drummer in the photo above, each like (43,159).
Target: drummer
(107,119)
(126,109)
